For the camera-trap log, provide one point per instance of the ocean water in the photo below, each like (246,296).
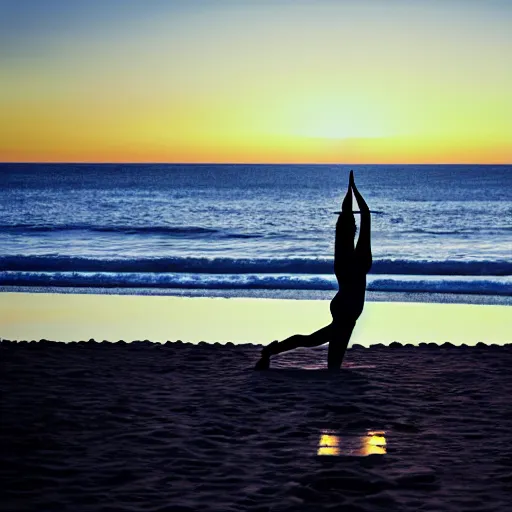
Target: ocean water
(251,227)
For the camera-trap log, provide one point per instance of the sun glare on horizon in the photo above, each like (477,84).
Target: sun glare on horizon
(339,117)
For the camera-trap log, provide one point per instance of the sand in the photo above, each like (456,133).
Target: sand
(183,427)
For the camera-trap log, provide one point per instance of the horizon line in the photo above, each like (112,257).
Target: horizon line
(244,163)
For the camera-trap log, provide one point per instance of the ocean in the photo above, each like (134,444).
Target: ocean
(198,228)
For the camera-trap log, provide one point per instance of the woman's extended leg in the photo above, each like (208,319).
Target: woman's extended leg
(314,339)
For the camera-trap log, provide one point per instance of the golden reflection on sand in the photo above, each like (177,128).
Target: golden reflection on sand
(371,443)
(328,444)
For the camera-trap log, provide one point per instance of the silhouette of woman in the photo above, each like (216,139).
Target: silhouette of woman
(350,266)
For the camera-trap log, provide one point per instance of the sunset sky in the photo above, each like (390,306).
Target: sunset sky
(389,81)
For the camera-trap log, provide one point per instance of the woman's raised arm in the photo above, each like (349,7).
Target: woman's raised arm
(363,246)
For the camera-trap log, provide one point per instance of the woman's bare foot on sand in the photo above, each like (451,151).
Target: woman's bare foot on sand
(264,362)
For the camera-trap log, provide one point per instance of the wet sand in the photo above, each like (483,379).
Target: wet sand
(67,317)
(185,427)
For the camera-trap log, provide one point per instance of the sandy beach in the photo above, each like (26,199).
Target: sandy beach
(419,424)
(184,427)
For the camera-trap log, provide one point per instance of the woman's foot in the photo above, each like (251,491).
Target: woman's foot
(264,362)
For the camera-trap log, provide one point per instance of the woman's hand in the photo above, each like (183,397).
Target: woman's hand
(363,207)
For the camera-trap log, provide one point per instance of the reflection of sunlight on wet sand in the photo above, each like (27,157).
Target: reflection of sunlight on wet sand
(374,443)
(57,316)
(371,443)
(328,444)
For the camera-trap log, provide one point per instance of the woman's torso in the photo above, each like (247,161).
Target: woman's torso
(348,303)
